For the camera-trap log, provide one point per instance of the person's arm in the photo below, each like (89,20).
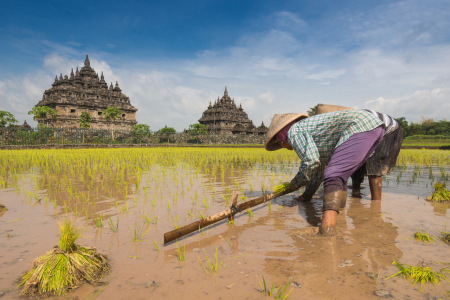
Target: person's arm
(313,185)
(306,149)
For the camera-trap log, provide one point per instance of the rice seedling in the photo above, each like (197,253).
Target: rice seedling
(98,221)
(181,252)
(156,246)
(114,227)
(3,208)
(423,237)
(213,267)
(279,292)
(282,187)
(422,274)
(67,265)
(440,193)
(249,212)
(138,232)
(175,223)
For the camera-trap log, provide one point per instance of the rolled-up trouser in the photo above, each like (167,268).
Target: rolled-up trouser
(346,159)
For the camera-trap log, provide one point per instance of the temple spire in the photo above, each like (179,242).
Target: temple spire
(226,92)
(60,77)
(71,74)
(56,78)
(102,78)
(87,63)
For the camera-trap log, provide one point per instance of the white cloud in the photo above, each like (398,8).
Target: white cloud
(326,74)
(393,54)
(428,103)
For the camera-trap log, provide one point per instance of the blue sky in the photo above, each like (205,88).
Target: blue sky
(173,57)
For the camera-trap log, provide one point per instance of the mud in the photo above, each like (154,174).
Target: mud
(276,242)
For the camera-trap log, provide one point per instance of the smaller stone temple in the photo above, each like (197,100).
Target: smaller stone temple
(85,91)
(225,117)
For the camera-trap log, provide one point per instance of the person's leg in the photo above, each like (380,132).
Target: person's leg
(357,179)
(345,160)
(376,185)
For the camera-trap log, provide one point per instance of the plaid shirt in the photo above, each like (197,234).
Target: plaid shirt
(314,140)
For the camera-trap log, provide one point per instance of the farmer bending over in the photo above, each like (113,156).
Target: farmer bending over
(380,162)
(341,141)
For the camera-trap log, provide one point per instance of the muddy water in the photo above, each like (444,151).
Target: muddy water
(276,242)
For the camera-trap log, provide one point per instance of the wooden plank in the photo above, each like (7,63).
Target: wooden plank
(187,229)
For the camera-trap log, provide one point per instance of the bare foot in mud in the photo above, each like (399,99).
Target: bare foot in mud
(302,199)
(356,193)
(327,231)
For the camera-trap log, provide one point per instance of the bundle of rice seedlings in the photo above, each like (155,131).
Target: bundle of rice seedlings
(440,193)
(282,187)
(422,274)
(64,267)
(2,207)
(423,237)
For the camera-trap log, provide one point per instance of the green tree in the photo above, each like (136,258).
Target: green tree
(112,113)
(141,130)
(40,113)
(167,130)
(85,120)
(7,118)
(312,111)
(197,129)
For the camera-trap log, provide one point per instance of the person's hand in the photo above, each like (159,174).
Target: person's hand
(292,187)
(300,198)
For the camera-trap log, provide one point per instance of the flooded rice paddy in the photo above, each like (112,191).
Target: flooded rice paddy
(126,199)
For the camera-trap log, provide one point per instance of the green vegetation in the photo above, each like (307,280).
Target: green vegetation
(281,188)
(423,237)
(425,127)
(141,130)
(67,265)
(440,193)
(213,267)
(3,208)
(167,130)
(197,129)
(138,232)
(114,227)
(422,274)
(85,120)
(112,113)
(40,113)
(312,111)
(279,292)
(7,118)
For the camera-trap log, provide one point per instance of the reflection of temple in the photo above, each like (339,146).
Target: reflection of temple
(224,117)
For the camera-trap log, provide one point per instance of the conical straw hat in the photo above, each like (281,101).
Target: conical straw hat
(326,108)
(278,123)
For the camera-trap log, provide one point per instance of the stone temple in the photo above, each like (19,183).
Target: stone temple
(82,92)
(224,117)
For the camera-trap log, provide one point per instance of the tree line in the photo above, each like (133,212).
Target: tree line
(41,113)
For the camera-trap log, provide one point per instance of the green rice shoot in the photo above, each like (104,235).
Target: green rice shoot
(440,193)
(67,265)
(282,187)
(423,237)
(422,274)
(3,208)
